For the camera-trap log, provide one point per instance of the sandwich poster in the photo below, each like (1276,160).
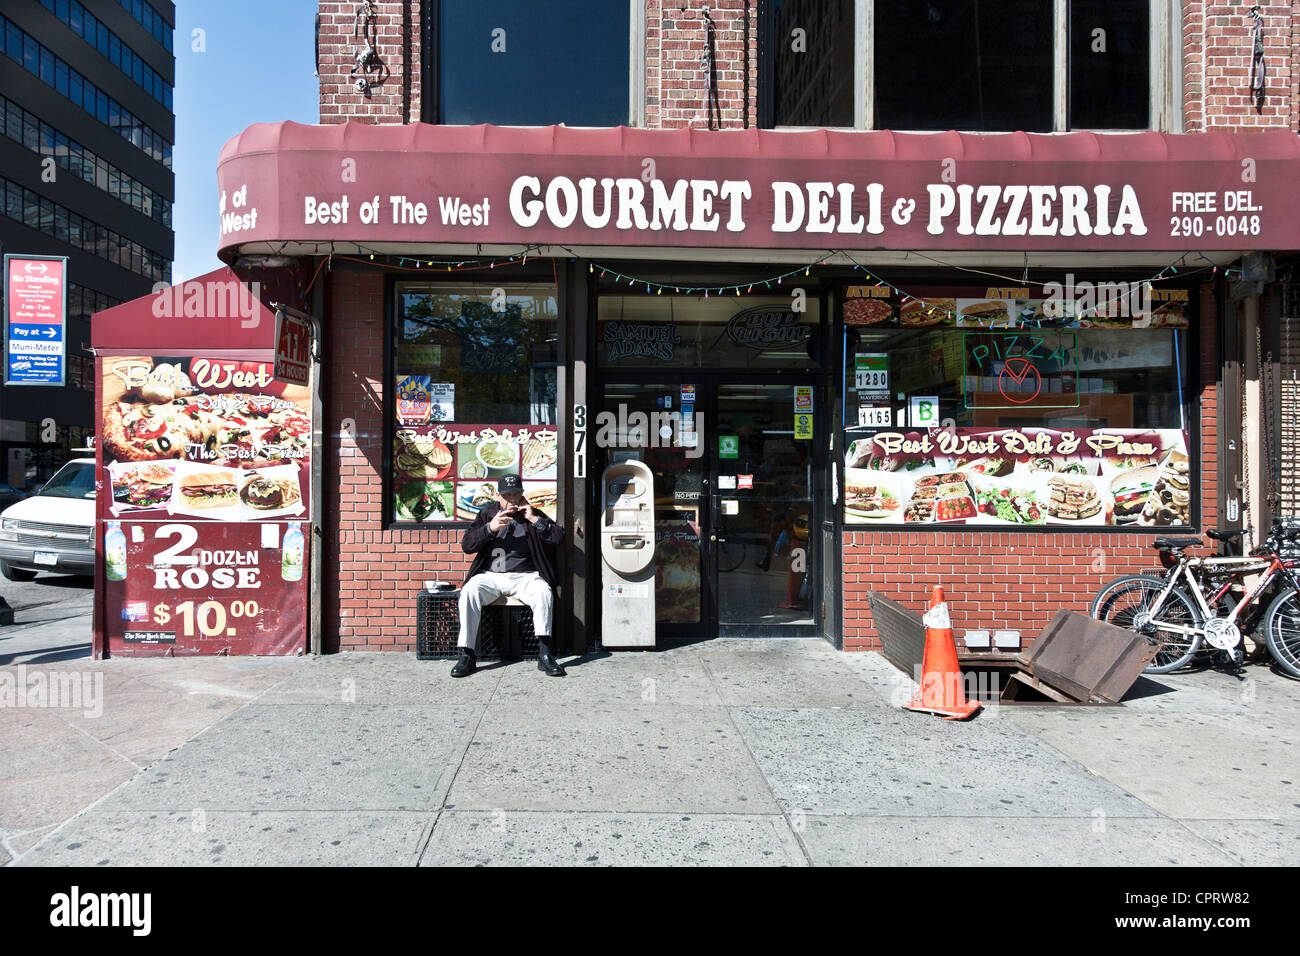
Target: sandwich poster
(1009,477)
(449,472)
(209,439)
(1069,304)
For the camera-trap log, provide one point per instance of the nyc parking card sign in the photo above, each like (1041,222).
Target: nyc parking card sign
(36,308)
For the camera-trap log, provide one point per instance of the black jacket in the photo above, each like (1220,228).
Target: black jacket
(542,540)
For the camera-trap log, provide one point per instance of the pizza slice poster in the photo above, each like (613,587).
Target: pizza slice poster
(207,438)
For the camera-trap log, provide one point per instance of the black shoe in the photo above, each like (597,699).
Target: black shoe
(547,662)
(466,665)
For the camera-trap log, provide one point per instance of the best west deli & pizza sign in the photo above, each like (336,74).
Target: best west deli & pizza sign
(760,189)
(1018,476)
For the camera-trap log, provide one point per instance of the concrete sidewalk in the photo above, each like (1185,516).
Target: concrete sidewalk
(779,752)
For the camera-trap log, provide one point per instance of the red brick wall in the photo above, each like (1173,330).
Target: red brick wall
(397,100)
(675,45)
(1217,49)
(1216,64)
(1014,580)
(378,571)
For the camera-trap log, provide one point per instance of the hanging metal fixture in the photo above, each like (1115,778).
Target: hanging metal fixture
(367,63)
(1258,65)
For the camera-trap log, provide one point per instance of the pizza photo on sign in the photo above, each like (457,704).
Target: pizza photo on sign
(867,311)
(221,414)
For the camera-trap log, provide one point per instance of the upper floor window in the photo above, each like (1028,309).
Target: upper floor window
(522,63)
(810,80)
(972,65)
(1110,64)
(963,64)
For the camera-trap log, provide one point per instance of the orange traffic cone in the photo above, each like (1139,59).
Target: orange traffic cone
(941,690)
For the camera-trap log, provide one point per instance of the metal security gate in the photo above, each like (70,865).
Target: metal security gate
(1287,455)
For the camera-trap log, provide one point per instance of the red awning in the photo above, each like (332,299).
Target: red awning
(362,186)
(216,311)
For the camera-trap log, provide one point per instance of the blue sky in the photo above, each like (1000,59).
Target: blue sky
(257,68)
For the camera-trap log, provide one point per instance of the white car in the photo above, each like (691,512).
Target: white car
(54,529)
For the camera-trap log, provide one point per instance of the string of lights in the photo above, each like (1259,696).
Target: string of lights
(765,284)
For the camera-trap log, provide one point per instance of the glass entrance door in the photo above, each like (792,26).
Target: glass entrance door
(733,501)
(762,509)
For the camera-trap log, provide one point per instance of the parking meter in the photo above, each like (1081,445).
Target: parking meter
(627,554)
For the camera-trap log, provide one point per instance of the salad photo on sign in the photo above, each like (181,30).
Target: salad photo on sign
(209,438)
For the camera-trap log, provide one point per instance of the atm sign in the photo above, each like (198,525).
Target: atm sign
(292,348)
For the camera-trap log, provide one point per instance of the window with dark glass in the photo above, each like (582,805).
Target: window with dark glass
(1110,64)
(809,62)
(474,397)
(519,63)
(38,60)
(965,408)
(749,332)
(964,64)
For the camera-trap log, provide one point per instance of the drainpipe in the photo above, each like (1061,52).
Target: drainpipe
(1253,425)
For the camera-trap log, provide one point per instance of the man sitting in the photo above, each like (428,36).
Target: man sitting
(509,540)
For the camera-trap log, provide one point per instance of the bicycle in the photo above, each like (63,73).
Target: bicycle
(1183,617)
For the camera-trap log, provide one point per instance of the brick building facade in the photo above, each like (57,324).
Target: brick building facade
(373,564)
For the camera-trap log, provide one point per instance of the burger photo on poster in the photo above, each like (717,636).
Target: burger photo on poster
(272,492)
(147,485)
(1131,489)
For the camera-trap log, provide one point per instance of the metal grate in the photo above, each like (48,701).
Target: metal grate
(504,632)
(1288,413)
(56,530)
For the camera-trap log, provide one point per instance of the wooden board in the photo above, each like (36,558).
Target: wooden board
(902,633)
(1088,659)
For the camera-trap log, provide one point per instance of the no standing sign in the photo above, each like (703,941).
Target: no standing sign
(36,307)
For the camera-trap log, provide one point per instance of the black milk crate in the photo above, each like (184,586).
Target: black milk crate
(505,632)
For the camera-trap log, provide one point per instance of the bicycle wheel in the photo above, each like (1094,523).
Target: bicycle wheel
(1282,625)
(1126,602)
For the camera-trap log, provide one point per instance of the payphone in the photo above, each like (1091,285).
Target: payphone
(627,553)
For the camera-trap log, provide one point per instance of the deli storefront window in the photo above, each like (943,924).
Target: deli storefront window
(1005,411)
(749,333)
(474,386)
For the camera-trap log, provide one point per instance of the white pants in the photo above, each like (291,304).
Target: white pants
(487,586)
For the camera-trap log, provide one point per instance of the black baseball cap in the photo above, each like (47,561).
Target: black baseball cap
(509,483)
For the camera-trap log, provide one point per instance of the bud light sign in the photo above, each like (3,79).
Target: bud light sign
(767,327)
